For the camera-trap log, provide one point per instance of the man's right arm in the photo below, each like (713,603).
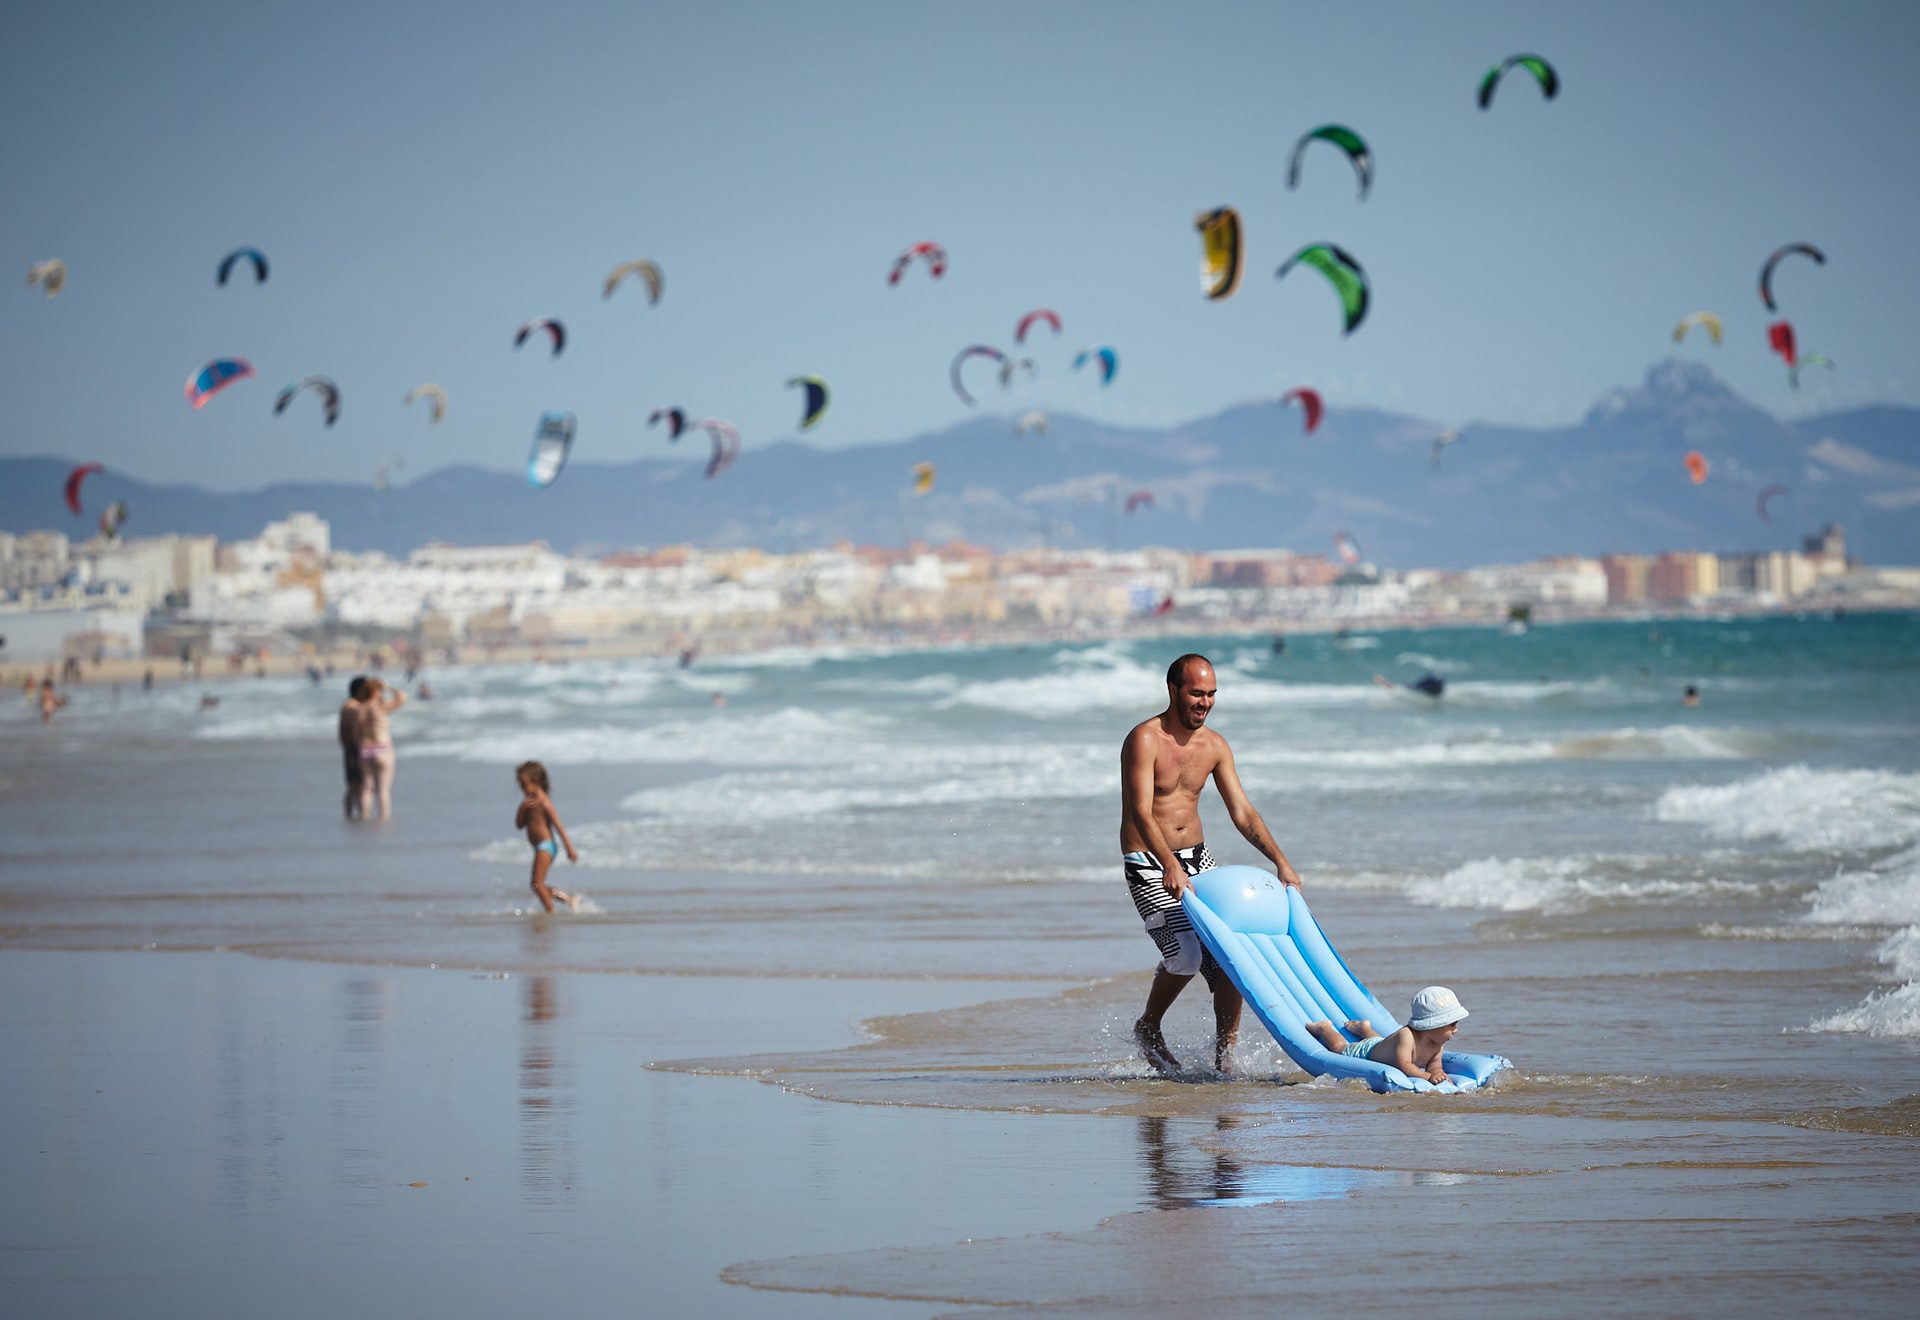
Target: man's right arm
(1136,788)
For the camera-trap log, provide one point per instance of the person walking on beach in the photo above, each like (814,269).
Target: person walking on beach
(376,748)
(1164,764)
(351,711)
(541,821)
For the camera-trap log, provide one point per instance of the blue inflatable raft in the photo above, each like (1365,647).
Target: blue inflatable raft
(1262,933)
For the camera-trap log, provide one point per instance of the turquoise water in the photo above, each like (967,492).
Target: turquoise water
(883,813)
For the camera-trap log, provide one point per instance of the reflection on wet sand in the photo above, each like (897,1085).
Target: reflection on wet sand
(546,1093)
(1185,1170)
(360,1082)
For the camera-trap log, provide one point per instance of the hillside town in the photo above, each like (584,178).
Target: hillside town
(287,593)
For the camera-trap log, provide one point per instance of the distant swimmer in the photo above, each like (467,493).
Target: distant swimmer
(50,701)
(1691,697)
(1279,644)
(1428,684)
(1164,764)
(688,656)
(209,703)
(544,831)
(424,690)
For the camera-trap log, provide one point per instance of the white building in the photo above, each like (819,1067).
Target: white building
(32,559)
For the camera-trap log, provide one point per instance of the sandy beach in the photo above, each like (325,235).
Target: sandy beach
(842,1027)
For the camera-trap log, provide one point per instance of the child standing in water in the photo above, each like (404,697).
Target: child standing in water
(542,823)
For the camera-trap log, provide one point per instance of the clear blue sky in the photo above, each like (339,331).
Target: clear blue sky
(427,177)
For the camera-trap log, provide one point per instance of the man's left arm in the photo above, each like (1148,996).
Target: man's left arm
(1246,819)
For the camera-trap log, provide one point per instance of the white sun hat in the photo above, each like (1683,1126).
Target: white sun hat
(1436,1006)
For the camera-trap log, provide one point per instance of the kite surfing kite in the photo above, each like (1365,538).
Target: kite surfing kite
(1219,252)
(1346,547)
(74,480)
(1012,367)
(675,418)
(1766,271)
(726,444)
(383,471)
(1138,499)
(552,442)
(1342,272)
(51,276)
(1033,421)
(1342,137)
(1108,359)
(987,351)
(329,396)
(214,377)
(1780,340)
(1696,466)
(553,328)
(1440,443)
(1809,360)
(932,253)
(1309,402)
(1533,64)
(435,396)
(255,255)
(1707,319)
(816,400)
(1026,323)
(112,519)
(1766,494)
(922,478)
(648,272)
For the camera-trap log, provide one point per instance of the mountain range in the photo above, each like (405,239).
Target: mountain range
(1245,477)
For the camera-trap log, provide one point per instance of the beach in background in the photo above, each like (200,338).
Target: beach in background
(845,1011)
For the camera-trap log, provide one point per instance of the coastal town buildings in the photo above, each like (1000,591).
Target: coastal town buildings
(289,591)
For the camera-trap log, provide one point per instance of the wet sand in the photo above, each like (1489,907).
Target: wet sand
(196,1134)
(225,1133)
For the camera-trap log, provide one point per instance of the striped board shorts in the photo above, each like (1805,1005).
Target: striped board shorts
(1166,922)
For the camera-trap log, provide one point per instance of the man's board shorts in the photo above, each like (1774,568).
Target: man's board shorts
(1362,1049)
(1166,921)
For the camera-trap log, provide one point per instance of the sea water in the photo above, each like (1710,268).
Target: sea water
(954,811)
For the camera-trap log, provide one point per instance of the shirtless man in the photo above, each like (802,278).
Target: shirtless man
(1164,764)
(350,712)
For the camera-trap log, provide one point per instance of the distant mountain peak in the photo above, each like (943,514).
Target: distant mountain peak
(1673,386)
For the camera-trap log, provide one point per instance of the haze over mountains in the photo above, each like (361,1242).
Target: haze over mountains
(1244,477)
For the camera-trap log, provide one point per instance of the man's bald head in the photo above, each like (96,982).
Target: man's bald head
(1177,671)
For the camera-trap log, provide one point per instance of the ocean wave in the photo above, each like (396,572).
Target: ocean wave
(937,778)
(1808,810)
(1880,897)
(1487,746)
(1467,751)
(1893,1012)
(270,726)
(1426,661)
(789,736)
(1674,742)
(1569,884)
